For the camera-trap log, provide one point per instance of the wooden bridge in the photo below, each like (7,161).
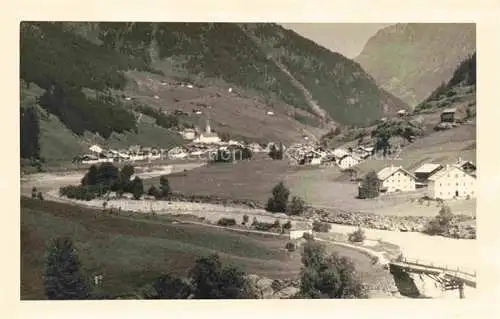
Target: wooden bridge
(449,277)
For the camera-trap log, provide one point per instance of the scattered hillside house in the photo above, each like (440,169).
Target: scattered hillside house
(311,157)
(270,113)
(189,134)
(338,153)
(424,172)
(448,115)
(128,98)
(208,137)
(364,152)
(230,90)
(396,178)
(299,229)
(452,182)
(348,161)
(156,97)
(96,149)
(402,112)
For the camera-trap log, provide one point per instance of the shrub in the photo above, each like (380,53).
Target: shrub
(287,225)
(165,189)
(307,236)
(245,219)
(357,236)
(155,192)
(441,223)
(321,227)
(263,226)
(290,246)
(297,206)
(226,222)
(137,188)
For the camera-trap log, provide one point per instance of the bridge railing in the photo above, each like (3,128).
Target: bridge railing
(430,264)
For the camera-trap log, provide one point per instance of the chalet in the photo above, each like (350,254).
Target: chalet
(188,134)
(396,178)
(95,149)
(425,171)
(312,158)
(402,112)
(448,115)
(338,153)
(452,182)
(348,161)
(467,166)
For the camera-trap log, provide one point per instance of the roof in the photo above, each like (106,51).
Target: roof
(387,172)
(449,168)
(427,168)
(339,152)
(449,110)
(205,134)
(349,155)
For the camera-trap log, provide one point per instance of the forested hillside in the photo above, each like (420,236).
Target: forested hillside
(78,72)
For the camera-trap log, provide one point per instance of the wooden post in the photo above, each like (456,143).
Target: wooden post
(461,290)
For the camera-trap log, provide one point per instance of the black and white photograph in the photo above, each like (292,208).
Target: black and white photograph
(224,160)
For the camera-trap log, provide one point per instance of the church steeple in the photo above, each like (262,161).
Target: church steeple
(208,130)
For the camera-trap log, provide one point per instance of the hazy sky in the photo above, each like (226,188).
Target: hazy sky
(345,38)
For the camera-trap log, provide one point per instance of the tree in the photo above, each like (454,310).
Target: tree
(91,177)
(137,188)
(370,186)
(155,192)
(328,276)
(297,206)
(441,223)
(30,133)
(276,153)
(62,279)
(357,236)
(212,281)
(165,189)
(279,201)
(169,287)
(126,173)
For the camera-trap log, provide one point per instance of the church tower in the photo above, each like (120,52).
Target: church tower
(208,130)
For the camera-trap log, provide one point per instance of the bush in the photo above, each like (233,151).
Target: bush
(321,227)
(155,192)
(290,246)
(137,188)
(358,236)
(245,219)
(226,222)
(297,206)
(441,223)
(307,236)
(287,225)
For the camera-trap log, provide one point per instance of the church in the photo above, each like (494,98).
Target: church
(208,137)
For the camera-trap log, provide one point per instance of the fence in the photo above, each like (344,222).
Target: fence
(430,264)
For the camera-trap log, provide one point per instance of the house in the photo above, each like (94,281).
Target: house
(452,182)
(270,113)
(467,166)
(396,178)
(448,115)
(299,229)
(95,149)
(189,134)
(338,153)
(348,161)
(312,157)
(425,171)
(208,137)
(402,112)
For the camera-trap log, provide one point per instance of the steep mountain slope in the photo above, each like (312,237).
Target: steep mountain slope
(412,60)
(87,74)
(459,92)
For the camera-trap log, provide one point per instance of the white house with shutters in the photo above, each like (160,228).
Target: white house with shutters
(452,182)
(348,161)
(396,178)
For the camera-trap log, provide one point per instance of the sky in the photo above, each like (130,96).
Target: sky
(347,39)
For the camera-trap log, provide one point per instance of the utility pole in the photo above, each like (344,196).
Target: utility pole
(461,290)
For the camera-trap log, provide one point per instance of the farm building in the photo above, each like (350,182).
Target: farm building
(188,134)
(448,115)
(467,166)
(299,228)
(427,170)
(348,161)
(339,153)
(396,178)
(452,182)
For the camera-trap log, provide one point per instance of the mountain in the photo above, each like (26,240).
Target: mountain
(412,60)
(459,92)
(95,81)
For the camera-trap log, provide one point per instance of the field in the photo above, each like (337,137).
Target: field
(252,180)
(131,249)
